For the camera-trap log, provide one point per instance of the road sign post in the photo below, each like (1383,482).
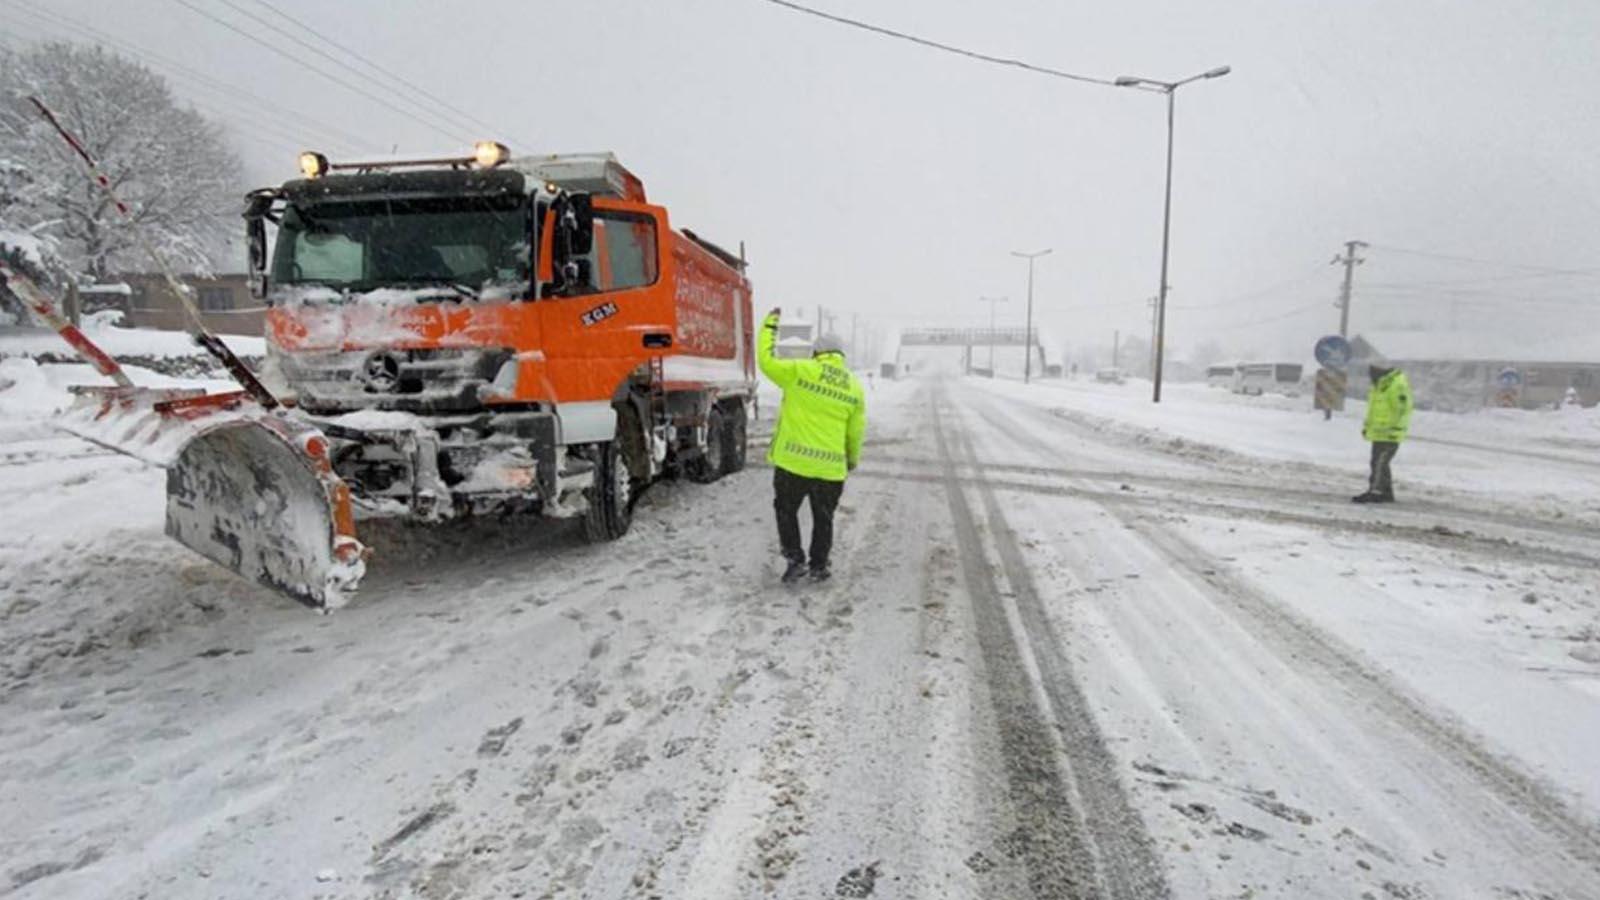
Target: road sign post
(1333,352)
(1331,384)
(1510,393)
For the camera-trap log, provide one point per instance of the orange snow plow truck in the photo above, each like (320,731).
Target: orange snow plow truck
(446,338)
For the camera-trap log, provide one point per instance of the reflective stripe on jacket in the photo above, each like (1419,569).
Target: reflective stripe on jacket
(1388,409)
(824,412)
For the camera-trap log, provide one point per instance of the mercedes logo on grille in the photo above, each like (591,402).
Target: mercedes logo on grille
(381,372)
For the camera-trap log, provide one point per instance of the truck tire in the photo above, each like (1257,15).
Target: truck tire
(707,466)
(610,510)
(736,448)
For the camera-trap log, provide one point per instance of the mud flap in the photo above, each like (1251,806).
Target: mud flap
(259,496)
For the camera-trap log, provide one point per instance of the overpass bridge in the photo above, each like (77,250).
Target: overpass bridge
(969,338)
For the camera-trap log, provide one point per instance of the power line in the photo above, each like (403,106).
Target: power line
(1297,311)
(1482,262)
(1486,299)
(1234,299)
(1493,279)
(387,73)
(330,58)
(925,42)
(196,78)
(303,64)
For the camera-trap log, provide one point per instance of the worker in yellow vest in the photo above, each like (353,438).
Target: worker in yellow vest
(1388,421)
(816,443)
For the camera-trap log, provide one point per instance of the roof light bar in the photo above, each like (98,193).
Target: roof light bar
(485,155)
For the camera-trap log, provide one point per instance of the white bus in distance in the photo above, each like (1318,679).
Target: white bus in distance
(1259,378)
(1219,376)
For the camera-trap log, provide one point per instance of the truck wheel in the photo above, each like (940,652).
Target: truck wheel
(736,446)
(707,467)
(610,497)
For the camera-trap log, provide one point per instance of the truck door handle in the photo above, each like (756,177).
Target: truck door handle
(658,339)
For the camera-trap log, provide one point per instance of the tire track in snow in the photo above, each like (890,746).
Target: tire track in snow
(1078,832)
(1292,475)
(1586,464)
(1426,535)
(1308,644)
(1408,522)
(1281,491)
(1295,638)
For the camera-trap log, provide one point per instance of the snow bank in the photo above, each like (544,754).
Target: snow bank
(26,391)
(1495,451)
(122,342)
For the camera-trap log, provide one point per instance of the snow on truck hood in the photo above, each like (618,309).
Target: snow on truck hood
(320,318)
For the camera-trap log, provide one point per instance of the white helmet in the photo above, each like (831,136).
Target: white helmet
(828,343)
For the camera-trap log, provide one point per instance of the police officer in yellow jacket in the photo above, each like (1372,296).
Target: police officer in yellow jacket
(817,442)
(1389,405)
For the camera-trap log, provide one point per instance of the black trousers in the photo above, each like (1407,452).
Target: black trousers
(1381,481)
(789,491)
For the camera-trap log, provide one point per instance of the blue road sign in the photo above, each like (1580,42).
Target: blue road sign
(1510,378)
(1333,351)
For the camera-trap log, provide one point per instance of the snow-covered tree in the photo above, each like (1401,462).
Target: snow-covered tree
(172,166)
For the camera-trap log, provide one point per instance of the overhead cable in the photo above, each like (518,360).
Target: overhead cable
(1482,262)
(256,39)
(364,76)
(936,45)
(199,78)
(387,73)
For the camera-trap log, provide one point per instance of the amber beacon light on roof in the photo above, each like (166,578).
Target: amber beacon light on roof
(485,155)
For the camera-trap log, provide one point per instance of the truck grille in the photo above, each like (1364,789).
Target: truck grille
(421,381)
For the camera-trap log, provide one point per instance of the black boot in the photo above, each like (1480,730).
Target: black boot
(1382,498)
(820,573)
(795,571)
(1363,498)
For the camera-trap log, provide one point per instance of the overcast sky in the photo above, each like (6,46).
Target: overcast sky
(893,180)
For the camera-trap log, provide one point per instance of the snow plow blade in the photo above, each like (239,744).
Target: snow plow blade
(258,496)
(247,488)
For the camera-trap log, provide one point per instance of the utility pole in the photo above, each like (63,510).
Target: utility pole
(992,301)
(853,331)
(1027,336)
(1154,303)
(1349,260)
(1116,343)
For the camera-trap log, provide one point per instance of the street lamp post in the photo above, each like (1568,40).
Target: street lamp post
(1027,334)
(1170,88)
(993,302)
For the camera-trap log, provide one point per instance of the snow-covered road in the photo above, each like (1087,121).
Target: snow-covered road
(1062,657)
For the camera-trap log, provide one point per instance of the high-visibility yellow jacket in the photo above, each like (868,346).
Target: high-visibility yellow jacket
(1389,406)
(824,411)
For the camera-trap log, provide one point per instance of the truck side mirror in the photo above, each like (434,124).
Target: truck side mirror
(580,223)
(256,239)
(574,240)
(257,209)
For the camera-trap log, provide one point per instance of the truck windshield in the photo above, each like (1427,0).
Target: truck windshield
(469,244)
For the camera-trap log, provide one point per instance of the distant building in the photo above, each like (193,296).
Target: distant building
(224,300)
(1460,371)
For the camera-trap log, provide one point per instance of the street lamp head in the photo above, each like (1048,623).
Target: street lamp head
(1128,81)
(1219,71)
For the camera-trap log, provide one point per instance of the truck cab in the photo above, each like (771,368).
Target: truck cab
(484,332)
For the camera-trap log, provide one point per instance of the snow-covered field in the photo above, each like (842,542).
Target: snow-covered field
(1077,646)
